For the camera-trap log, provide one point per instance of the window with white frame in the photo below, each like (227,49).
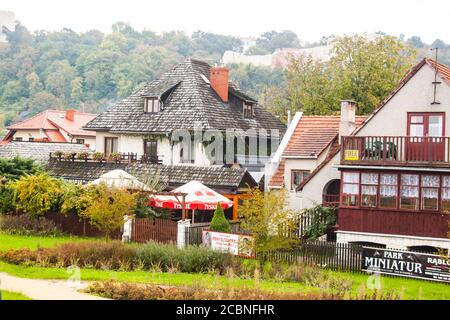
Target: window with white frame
(350,192)
(152,105)
(388,190)
(369,189)
(430,192)
(409,191)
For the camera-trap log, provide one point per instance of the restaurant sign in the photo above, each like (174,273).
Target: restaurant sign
(406,264)
(236,244)
(351,155)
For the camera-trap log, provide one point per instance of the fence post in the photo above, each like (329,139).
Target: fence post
(127,228)
(183,228)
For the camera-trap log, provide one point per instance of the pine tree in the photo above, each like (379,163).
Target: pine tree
(219,223)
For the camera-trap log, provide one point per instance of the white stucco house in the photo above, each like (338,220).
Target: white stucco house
(192,98)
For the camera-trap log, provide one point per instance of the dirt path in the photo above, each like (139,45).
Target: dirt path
(45,289)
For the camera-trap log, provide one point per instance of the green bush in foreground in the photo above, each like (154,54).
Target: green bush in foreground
(132,291)
(191,259)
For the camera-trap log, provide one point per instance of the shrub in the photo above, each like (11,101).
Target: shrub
(133,291)
(322,219)
(106,207)
(6,199)
(266,217)
(27,225)
(13,169)
(100,255)
(38,194)
(219,223)
(190,259)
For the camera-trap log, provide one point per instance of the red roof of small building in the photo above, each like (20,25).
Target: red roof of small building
(310,138)
(313,134)
(52,122)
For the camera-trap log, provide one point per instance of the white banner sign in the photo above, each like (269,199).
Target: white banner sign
(237,244)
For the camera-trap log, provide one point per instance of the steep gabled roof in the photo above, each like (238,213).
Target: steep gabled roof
(55,120)
(443,71)
(191,103)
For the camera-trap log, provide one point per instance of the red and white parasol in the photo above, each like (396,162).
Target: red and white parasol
(198,197)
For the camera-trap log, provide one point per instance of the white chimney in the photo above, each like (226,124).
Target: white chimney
(347,124)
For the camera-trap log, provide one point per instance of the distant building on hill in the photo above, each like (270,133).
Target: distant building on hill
(279,59)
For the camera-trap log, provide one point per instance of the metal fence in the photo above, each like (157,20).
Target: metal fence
(332,255)
(194,231)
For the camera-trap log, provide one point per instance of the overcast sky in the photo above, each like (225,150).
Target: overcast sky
(310,19)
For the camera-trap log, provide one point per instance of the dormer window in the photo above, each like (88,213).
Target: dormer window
(152,105)
(248,110)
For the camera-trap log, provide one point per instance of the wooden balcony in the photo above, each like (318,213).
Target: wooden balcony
(396,151)
(330,200)
(100,157)
(400,222)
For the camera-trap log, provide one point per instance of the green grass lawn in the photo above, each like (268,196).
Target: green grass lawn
(32,242)
(407,288)
(7,295)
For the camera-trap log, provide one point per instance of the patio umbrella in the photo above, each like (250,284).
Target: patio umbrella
(198,197)
(121,179)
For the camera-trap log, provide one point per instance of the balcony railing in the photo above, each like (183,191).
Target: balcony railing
(384,150)
(100,157)
(330,200)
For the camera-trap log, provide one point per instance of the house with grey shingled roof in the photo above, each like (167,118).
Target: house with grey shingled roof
(192,97)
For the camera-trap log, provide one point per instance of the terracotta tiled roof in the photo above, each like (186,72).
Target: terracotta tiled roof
(55,136)
(313,134)
(53,120)
(277,179)
(442,69)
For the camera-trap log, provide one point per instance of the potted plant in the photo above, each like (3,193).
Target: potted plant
(115,157)
(83,155)
(69,156)
(58,154)
(98,156)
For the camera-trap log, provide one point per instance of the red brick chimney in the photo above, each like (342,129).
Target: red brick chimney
(219,81)
(70,115)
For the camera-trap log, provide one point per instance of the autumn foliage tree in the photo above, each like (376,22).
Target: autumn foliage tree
(268,219)
(106,207)
(361,68)
(36,194)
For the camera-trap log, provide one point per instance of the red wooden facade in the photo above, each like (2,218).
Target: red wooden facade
(411,223)
(424,220)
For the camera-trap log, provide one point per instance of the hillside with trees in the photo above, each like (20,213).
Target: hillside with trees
(91,70)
